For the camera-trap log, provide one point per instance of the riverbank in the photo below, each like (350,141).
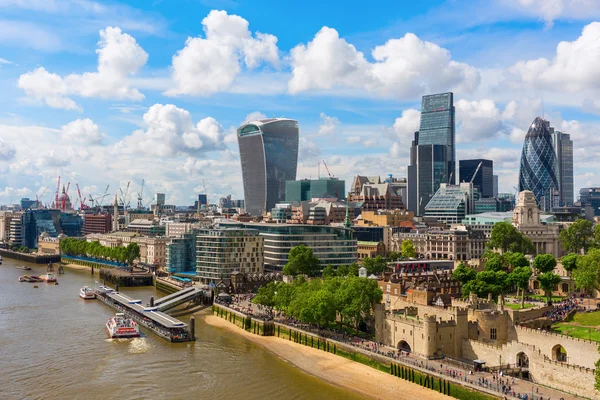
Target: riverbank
(336,370)
(77,267)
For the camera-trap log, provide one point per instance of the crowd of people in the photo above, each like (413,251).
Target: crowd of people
(560,310)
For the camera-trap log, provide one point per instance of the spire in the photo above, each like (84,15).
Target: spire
(347,222)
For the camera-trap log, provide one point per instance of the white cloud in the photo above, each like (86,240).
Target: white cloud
(307,149)
(7,150)
(11,192)
(5,61)
(551,10)
(329,124)
(353,139)
(52,159)
(253,116)
(119,57)
(574,67)
(403,67)
(477,120)
(170,131)
(209,65)
(407,124)
(83,131)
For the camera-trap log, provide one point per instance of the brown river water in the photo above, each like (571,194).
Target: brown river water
(53,345)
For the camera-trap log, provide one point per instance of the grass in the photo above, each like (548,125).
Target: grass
(582,326)
(542,297)
(518,306)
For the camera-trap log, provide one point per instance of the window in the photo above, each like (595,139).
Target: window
(493,333)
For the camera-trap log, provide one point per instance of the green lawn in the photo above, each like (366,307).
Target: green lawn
(543,298)
(518,306)
(587,319)
(590,328)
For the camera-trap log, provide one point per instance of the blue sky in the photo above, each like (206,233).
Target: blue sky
(106,92)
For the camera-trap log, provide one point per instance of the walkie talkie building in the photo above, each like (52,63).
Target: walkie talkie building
(269,157)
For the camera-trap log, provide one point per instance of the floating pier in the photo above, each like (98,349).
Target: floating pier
(151,318)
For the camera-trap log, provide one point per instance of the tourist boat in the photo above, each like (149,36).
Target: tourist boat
(49,278)
(35,278)
(120,326)
(24,268)
(87,293)
(25,278)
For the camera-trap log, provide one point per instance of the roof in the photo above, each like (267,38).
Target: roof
(367,243)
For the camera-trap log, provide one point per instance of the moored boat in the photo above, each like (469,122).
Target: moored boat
(35,278)
(120,326)
(26,278)
(87,293)
(49,278)
(24,268)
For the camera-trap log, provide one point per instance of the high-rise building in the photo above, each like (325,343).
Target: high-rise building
(97,223)
(27,203)
(308,189)
(159,199)
(563,147)
(432,154)
(451,203)
(539,170)
(483,180)
(269,158)
(495,186)
(590,200)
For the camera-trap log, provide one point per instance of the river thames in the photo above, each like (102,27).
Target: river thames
(54,346)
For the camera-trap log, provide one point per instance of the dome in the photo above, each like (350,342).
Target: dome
(64,201)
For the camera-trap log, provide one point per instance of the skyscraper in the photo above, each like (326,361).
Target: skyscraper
(269,157)
(563,147)
(483,180)
(539,171)
(432,154)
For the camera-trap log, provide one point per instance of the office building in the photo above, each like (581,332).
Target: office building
(563,147)
(180,254)
(481,173)
(590,201)
(146,227)
(26,203)
(539,170)
(202,202)
(96,223)
(51,222)
(375,194)
(159,199)
(222,251)
(432,154)
(451,203)
(308,189)
(269,158)
(15,230)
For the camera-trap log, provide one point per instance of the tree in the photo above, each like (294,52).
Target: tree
(328,272)
(464,274)
(506,237)
(486,282)
(514,260)
(375,265)
(569,262)
(544,263)
(494,262)
(353,269)
(302,261)
(548,280)
(393,255)
(408,249)
(266,295)
(342,270)
(358,296)
(520,278)
(578,236)
(132,251)
(587,273)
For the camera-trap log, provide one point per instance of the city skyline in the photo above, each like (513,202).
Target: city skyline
(104,107)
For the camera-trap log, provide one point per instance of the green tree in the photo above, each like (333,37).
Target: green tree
(132,252)
(375,265)
(302,261)
(548,280)
(514,260)
(578,236)
(342,270)
(328,272)
(408,249)
(464,274)
(284,293)
(486,282)
(569,262)
(506,237)
(544,263)
(520,278)
(393,255)
(587,273)
(266,295)
(358,297)
(353,269)
(494,262)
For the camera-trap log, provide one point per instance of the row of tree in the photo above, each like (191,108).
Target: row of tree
(81,247)
(345,300)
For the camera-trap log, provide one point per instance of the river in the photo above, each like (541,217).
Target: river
(53,345)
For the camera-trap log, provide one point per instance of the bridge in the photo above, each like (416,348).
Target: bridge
(173,300)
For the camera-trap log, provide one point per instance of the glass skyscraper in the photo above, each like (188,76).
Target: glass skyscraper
(432,155)
(563,147)
(539,170)
(269,157)
(484,180)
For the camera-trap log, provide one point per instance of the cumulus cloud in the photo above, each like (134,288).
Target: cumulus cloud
(551,10)
(169,131)
(573,68)
(210,64)
(7,150)
(253,116)
(353,139)
(11,192)
(119,57)
(402,67)
(328,125)
(307,149)
(83,131)
(477,120)
(52,159)
(407,124)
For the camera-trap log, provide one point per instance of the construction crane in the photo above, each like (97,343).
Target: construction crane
(140,198)
(39,198)
(82,205)
(327,169)
(57,193)
(475,173)
(206,193)
(125,205)
(98,200)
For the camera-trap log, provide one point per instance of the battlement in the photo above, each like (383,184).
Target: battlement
(573,367)
(557,335)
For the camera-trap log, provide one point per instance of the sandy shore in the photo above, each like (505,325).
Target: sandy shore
(334,369)
(76,266)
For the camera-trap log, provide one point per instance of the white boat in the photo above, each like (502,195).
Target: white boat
(87,293)
(120,326)
(24,268)
(50,278)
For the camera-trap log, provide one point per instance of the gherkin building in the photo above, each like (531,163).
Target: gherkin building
(539,166)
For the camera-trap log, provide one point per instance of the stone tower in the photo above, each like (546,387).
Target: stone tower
(116,214)
(527,212)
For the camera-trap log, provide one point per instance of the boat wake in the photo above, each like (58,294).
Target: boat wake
(139,346)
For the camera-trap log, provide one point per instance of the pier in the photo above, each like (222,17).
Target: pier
(151,318)
(31,258)
(127,277)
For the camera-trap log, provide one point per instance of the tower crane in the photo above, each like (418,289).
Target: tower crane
(140,198)
(125,205)
(206,193)
(327,169)
(57,193)
(39,198)
(82,205)
(475,173)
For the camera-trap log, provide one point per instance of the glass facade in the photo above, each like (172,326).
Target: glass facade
(539,167)
(563,147)
(590,198)
(269,158)
(180,254)
(484,180)
(432,155)
(451,203)
(307,189)
(53,222)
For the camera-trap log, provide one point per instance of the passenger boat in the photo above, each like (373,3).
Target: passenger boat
(87,293)
(35,278)
(49,278)
(120,326)
(25,278)
(24,268)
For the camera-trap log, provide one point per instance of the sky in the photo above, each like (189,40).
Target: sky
(102,93)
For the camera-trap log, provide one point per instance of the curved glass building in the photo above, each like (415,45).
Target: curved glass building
(539,166)
(269,157)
